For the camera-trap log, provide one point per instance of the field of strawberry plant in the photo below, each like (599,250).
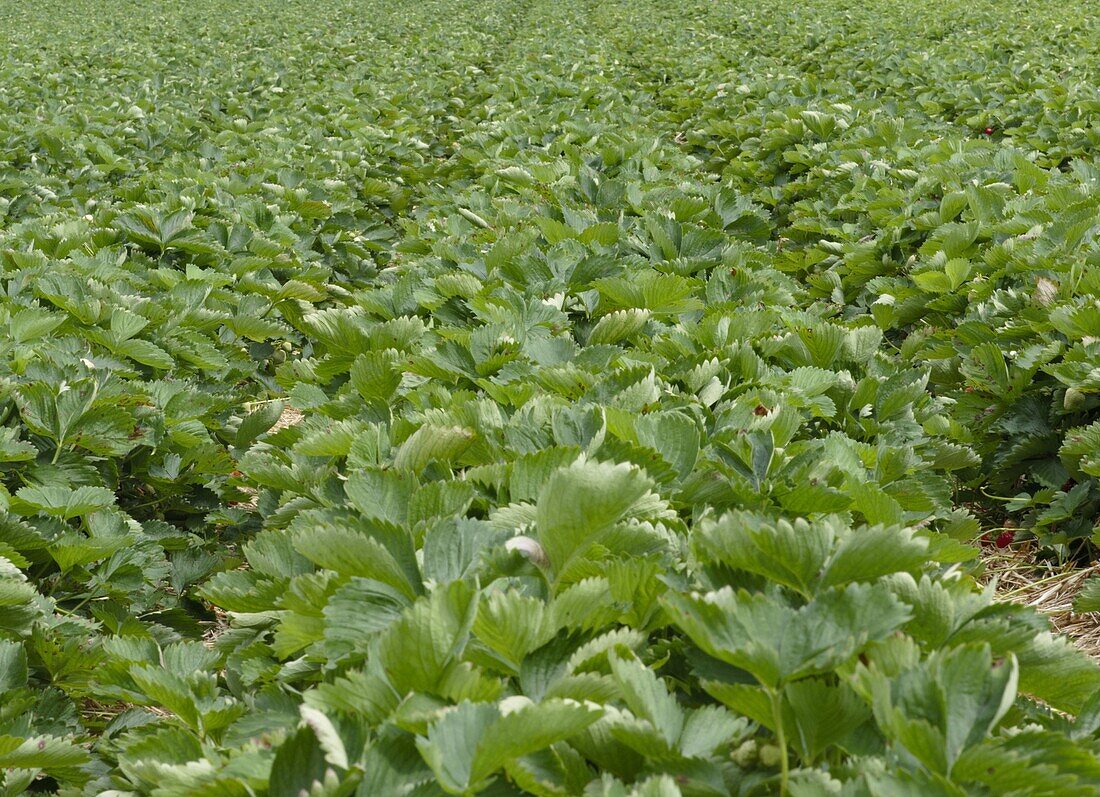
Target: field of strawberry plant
(516,397)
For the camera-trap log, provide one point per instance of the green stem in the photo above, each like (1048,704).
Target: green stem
(994,497)
(63,428)
(79,606)
(781,742)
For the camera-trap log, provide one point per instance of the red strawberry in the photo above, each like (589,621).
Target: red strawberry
(989,131)
(1004,539)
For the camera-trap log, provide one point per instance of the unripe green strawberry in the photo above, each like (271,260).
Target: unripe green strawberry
(770,755)
(745,755)
(1073,399)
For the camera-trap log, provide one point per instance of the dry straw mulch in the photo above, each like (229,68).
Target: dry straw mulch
(1049,587)
(290,417)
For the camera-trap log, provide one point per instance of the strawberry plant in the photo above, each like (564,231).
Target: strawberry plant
(589,399)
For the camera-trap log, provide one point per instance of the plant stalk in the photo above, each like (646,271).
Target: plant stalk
(781,742)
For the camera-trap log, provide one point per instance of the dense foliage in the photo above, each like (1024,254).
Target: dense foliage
(660,364)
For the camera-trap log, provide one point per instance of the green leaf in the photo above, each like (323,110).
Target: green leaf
(1088,598)
(327,736)
(986,365)
(167,689)
(431,443)
(257,422)
(12,449)
(673,435)
(452,742)
(299,763)
(875,504)
(823,342)
(933,281)
(946,704)
(63,502)
(146,353)
(453,548)
(417,651)
(528,729)
(646,696)
(582,502)
(868,553)
(618,326)
(374,376)
(393,767)
(381,494)
(823,715)
(788,553)
(513,625)
(13,666)
(469,743)
(43,752)
(777,643)
(32,323)
(709,729)
(356,551)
